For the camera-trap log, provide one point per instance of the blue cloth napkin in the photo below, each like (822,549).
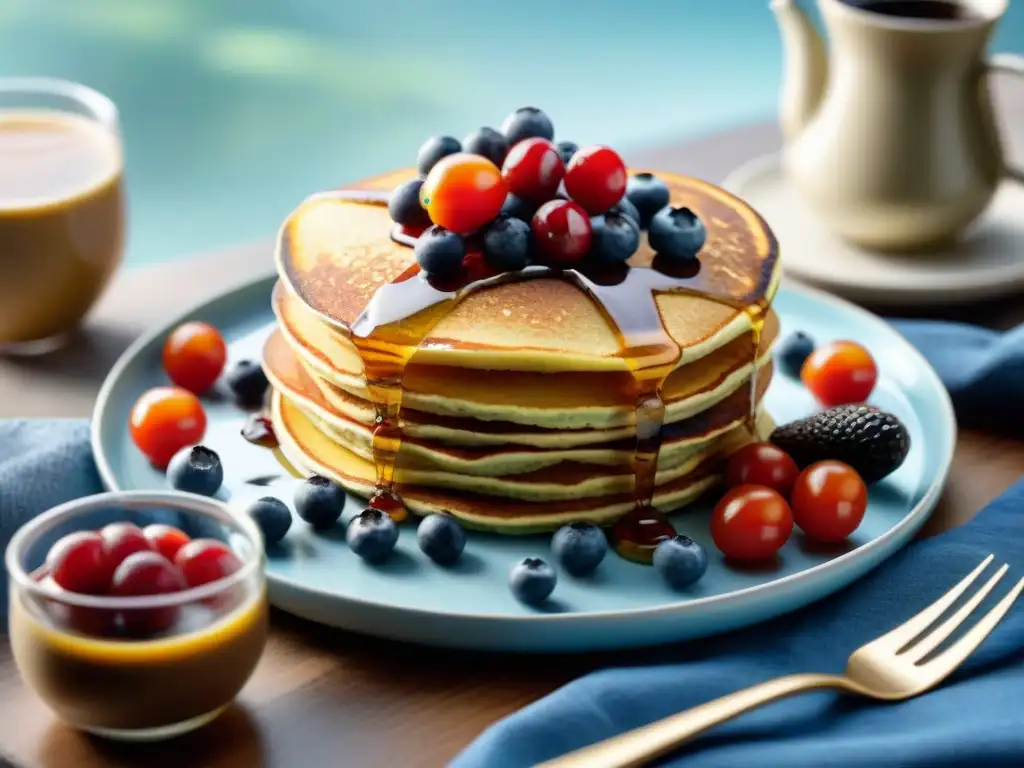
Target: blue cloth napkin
(974,719)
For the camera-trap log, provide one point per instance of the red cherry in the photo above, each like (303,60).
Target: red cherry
(840,373)
(562,231)
(78,563)
(596,178)
(194,356)
(165,420)
(533,170)
(121,540)
(751,522)
(147,573)
(762,464)
(205,560)
(829,500)
(165,539)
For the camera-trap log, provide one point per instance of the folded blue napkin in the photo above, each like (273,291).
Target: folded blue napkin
(974,719)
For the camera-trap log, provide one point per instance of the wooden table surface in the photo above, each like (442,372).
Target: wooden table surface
(327,698)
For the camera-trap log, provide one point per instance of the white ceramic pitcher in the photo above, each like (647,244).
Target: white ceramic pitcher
(890,135)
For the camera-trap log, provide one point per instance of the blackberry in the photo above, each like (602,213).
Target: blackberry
(873,442)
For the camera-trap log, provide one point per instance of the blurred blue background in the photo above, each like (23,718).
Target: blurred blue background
(234,110)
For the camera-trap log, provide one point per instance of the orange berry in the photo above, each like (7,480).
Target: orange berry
(840,373)
(463,192)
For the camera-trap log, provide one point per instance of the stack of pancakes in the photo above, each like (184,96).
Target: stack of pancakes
(518,410)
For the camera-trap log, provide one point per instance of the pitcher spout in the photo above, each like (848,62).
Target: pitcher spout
(805,67)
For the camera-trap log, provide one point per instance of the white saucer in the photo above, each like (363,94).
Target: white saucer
(987,262)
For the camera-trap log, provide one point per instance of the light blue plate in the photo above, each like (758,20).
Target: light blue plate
(624,604)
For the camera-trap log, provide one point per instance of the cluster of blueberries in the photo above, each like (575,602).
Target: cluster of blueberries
(509,242)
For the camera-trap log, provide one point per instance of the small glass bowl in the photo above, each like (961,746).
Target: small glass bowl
(77,653)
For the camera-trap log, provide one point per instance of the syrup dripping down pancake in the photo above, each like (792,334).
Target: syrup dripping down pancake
(563,400)
(334,254)
(295,382)
(310,451)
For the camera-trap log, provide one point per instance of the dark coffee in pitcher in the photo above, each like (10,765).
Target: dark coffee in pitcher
(929,10)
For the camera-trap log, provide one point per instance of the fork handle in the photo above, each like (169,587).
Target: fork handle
(641,745)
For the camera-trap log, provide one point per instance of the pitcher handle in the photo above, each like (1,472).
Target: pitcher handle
(1013,64)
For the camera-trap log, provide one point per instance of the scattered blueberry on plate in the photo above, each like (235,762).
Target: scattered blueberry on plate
(488,143)
(614,238)
(527,123)
(439,251)
(793,352)
(319,501)
(648,194)
(507,244)
(272,516)
(677,233)
(579,548)
(372,535)
(681,561)
(404,205)
(435,149)
(247,382)
(532,580)
(196,469)
(441,538)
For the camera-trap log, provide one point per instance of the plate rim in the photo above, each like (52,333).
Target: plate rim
(915,517)
(970,287)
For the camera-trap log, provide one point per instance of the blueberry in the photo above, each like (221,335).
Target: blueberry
(792,353)
(441,538)
(681,561)
(532,580)
(319,501)
(518,208)
(614,238)
(196,469)
(626,208)
(648,194)
(434,149)
(372,535)
(247,382)
(272,516)
(677,234)
(507,244)
(404,205)
(527,123)
(439,252)
(567,149)
(579,547)
(488,143)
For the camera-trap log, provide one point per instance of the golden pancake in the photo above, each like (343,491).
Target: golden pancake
(686,438)
(301,441)
(559,400)
(334,254)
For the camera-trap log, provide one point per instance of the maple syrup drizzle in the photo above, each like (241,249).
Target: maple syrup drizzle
(401,314)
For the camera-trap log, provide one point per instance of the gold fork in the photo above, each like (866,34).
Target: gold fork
(891,667)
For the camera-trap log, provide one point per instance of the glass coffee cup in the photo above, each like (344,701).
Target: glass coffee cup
(152,664)
(62,209)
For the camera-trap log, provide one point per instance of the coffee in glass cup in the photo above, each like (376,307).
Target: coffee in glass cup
(61,208)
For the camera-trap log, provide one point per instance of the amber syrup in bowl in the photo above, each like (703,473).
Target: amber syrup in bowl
(142,667)
(402,313)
